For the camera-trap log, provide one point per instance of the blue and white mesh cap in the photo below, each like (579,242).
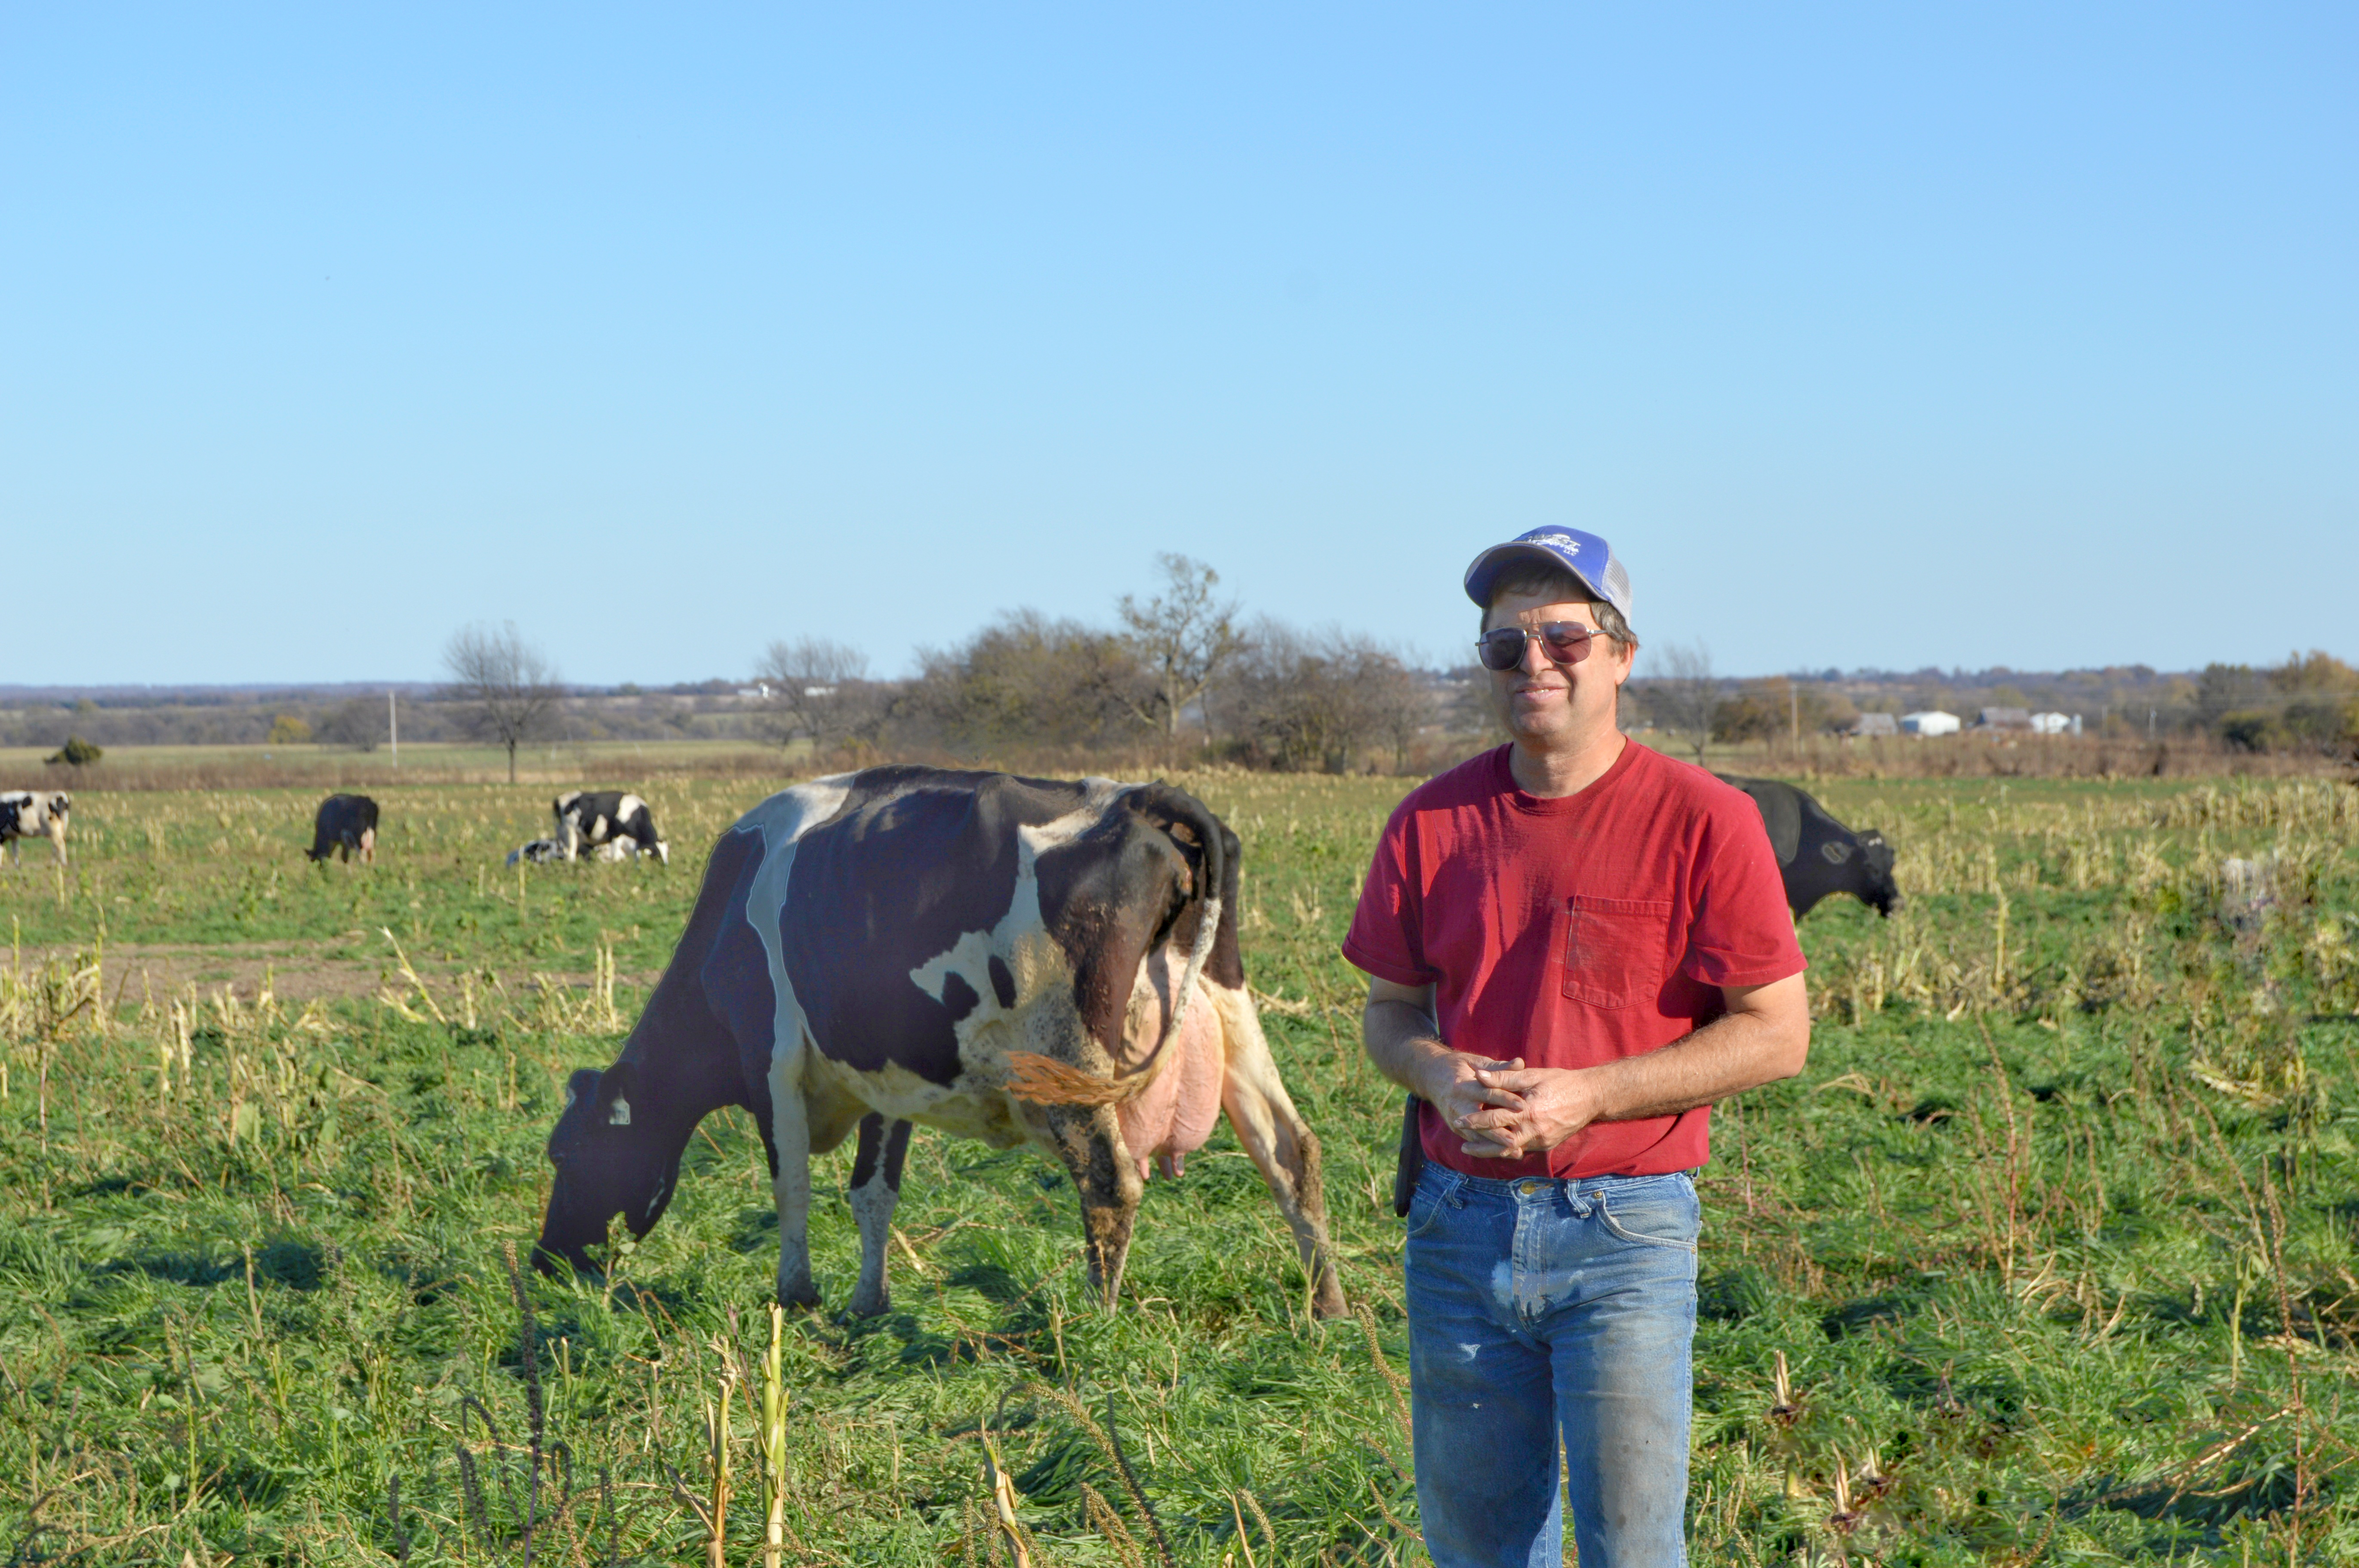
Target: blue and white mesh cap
(1585,556)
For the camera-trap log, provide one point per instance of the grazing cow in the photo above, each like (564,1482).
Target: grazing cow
(1819,856)
(30,814)
(346,825)
(1004,958)
(591,819)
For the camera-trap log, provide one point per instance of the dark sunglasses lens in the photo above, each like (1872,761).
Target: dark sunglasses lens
(1567,640)
(1501,650)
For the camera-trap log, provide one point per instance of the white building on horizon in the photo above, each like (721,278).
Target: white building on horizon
(1932,722)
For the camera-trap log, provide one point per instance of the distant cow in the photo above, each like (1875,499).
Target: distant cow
(34,814)
(544,852)
(1009,960)
(346,825)
(588,819)
(1819,856)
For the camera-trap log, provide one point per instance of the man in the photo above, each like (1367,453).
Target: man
(1575,945)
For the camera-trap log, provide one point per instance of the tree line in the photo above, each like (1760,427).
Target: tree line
(1180,675)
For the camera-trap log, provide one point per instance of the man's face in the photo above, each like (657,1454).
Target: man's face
(1542,701)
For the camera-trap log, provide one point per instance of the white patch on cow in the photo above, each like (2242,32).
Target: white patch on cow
(782,820)
(620,1116)
(630,807)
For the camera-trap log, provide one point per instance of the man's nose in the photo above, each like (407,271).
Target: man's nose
(1536,660)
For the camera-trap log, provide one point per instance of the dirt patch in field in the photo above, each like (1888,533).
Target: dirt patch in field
(296,973)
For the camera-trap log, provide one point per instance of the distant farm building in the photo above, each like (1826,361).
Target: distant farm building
(1932,722)
(2056,724)
(2003,719)
(1873,725)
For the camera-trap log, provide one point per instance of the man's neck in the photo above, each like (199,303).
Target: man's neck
(1564,770)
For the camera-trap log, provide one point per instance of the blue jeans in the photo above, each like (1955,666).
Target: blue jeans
(1538,1307)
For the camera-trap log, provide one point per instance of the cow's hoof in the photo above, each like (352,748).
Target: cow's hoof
(876,1305)
(1330,1304)
(805,1295)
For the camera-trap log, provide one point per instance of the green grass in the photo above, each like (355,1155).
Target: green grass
(2055,1236)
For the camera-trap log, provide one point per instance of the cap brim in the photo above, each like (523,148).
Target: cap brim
(1499,557)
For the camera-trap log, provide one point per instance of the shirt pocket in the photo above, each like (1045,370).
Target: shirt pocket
(1614,948)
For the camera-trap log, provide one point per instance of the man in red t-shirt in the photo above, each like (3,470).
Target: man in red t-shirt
(1574,945)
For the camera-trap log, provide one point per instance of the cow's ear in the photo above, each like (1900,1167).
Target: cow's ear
(582,1086)
(617,1087)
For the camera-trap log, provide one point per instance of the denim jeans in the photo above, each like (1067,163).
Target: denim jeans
(1537,1308)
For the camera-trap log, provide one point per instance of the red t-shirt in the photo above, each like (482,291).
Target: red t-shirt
(1576,931)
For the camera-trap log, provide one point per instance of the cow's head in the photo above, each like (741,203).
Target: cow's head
(1876,886)
(59,803)
(607,1163)
(663,852)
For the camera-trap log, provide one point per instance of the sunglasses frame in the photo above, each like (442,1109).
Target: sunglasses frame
(1545,635)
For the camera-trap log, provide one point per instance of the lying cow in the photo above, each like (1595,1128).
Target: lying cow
(546,851)
(346,825)
(1819,856)
(588,819)
(30,814)
(1003,958)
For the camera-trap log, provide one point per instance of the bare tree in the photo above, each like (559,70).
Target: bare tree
(1026,682)
(818,690)
(1682,695)
(1181,638)
(1323,699)
(506,689)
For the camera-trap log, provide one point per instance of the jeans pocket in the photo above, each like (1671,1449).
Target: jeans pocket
(1663,1213)
(1434,1190)
(1615,948)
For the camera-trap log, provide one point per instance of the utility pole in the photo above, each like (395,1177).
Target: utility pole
(392,727)
(1794,702)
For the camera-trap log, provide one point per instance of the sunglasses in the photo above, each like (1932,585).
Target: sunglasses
(1565,642)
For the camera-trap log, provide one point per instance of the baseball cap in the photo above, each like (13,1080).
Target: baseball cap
(1585,556)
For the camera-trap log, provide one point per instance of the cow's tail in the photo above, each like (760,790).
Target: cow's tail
(1044,1080)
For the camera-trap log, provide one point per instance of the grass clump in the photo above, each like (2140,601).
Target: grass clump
(2049,1255)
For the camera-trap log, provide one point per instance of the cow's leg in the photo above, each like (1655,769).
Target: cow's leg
(791,1135)
(1089,1139)
(369,845)
(58,837)
(875,1184)
(1279,1141)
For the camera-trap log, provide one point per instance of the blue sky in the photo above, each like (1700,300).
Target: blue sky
(1873,335)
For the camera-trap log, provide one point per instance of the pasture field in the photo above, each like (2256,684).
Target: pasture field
(2047,1257)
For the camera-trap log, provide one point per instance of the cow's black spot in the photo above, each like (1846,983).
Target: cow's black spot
(959,997)
(1003,983)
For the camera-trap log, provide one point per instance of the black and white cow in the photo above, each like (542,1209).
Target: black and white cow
(1004,958)
(588,819)
(1818,855)
(34,814)
(548,852)
(346,825)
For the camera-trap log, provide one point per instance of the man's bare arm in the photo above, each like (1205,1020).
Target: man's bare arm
(1407,1047)
(1763,1036)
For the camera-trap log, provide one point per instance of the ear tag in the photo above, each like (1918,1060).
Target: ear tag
(1835,850)
(621,1115)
